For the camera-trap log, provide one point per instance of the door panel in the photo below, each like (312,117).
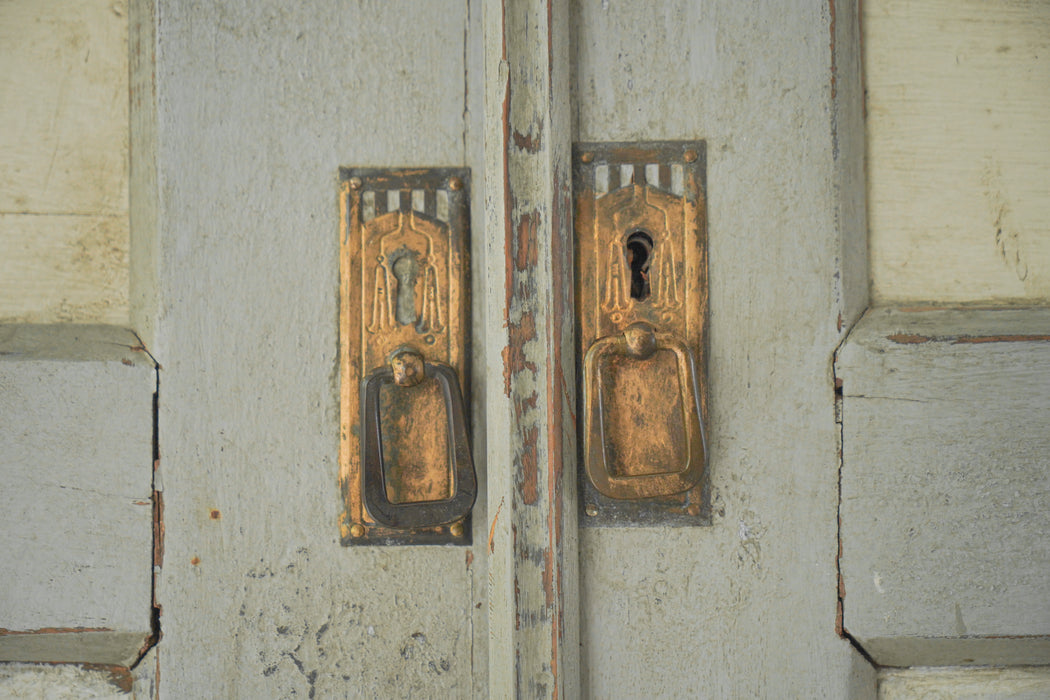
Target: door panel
(747,606)
(259,105)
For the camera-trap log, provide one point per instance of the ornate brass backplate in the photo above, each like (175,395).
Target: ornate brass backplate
(405,464)
(641,309)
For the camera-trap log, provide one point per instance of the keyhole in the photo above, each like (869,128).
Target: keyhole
(405,304)
(638,249)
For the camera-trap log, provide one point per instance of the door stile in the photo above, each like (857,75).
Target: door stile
(532,542)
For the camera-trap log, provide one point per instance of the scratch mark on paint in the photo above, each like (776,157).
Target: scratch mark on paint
(492,528)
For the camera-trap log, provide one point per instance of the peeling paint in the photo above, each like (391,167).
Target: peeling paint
(528,142)
(528,472)
(908,338)
(514,357)
(119,676)
(911,339)
(536,206)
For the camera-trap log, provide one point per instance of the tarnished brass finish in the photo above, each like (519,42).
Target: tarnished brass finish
(387,478)
(674,461)
(641,276)
(405,465)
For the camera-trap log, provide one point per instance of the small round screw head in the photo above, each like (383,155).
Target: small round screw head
(587,157)
(591,510)
(357,530)
(355,183)
(454,183)
(456,529)
(690,156)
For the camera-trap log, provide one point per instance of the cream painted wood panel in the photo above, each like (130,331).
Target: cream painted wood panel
(958,118)
(64,268)
(62,682)
(63,161)
(1025,683)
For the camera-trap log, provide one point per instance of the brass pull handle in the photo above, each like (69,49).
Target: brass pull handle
(407,368)
(640,342)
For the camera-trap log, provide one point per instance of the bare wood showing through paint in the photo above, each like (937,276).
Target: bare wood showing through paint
(533,593)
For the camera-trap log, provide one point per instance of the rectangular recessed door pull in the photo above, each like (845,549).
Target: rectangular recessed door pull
(407,369)
(640,342)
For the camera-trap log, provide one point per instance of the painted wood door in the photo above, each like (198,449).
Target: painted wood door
(747,606)
(257,105)
(242,114)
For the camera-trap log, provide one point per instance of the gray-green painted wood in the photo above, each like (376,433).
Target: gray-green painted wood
(945,486)
(259,103)
(76,515)
(746,607)
(532,545)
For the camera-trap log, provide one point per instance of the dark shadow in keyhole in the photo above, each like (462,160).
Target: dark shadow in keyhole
(638,250)
(405,270)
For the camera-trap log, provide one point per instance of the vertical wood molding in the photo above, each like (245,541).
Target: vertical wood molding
(142,167)
(532,497)
(848,183)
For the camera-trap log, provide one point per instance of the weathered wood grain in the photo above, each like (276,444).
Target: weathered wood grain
(958,115)
(533,648)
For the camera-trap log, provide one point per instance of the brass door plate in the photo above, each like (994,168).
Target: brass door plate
(641,310)
(404,285)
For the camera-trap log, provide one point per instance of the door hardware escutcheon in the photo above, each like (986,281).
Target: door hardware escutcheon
(641,309)
(406,469)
